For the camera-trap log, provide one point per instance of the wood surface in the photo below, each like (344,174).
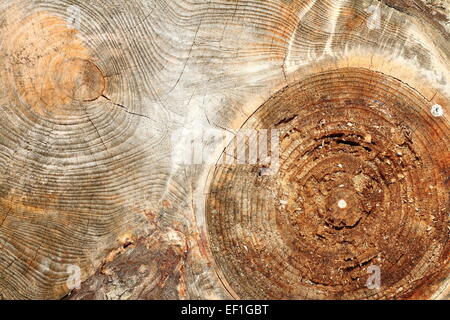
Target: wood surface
(94,95)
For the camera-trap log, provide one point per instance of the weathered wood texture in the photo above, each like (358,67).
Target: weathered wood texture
(92,93)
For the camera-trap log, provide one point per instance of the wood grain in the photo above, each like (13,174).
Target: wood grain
(90,103)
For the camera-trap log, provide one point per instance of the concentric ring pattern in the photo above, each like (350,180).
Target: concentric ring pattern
(362,185)
(76,145)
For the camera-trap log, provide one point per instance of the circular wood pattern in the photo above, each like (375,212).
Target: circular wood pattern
(92,94)
(361,182)
(73,146)
(49,67)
